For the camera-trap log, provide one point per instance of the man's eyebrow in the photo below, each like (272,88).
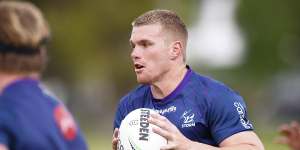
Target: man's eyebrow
(144,41)
(139,42)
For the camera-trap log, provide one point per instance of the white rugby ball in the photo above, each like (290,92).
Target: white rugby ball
(136,133)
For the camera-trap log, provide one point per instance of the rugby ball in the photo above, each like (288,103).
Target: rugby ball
(136,133)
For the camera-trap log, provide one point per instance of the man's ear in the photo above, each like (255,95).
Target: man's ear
(176,50)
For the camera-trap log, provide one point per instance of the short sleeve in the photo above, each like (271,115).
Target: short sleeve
(120,113)
(228,115)
(5,127)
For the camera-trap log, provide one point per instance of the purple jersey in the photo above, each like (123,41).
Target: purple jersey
(30,119)
(204,110)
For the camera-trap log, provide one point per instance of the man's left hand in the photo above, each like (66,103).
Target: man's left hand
(175,140)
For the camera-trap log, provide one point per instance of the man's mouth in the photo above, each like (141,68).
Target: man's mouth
(138,67)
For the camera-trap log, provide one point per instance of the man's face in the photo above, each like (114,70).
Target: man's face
(150,52)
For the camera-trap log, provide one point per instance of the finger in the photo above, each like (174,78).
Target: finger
(115,139)
(168,147)
(157,116)
(160,121)
(116,133)
(115,144)
(162,133)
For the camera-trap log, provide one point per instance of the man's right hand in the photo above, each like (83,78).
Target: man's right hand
(115,139)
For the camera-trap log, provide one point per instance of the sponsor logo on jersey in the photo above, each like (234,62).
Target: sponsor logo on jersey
(65,122)
(188,119)
(242,113)
(167,110)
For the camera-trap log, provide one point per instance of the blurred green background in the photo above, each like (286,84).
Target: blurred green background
(90,68)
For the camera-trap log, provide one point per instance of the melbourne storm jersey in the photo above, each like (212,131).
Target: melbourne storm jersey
(204,110)
(30,119)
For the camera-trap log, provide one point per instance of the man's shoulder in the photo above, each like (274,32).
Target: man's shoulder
(138,92)
(211,86)
(207,81)
(137,98)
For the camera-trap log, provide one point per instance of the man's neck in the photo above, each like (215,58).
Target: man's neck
(6,79)
(168,83)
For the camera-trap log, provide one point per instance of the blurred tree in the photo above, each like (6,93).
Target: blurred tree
(267,23)
(90,37)
(90,43)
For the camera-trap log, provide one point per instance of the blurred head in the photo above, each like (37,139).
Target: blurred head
(23,36)
(158,41)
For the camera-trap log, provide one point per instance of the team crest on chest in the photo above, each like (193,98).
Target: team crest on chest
(188,119)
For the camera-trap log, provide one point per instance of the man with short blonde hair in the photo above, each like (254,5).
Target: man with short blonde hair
(29,117)
(23,31)
(169,21)
(205,114)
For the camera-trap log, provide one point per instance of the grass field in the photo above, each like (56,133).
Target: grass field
(102,140)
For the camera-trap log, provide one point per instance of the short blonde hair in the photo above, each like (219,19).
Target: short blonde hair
(169,20)
(23,32)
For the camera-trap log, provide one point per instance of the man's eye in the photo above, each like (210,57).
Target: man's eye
(132,46)
(144,44)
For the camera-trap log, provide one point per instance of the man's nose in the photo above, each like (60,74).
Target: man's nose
(135,53)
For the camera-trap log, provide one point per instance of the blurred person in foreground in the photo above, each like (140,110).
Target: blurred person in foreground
(30,118)
(290,135)
(196,112)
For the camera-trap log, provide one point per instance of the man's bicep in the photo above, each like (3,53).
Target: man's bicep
(228,116)
(245,137)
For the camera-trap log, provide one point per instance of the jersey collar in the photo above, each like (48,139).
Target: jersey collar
(176,90)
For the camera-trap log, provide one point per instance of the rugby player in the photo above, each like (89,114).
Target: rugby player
(196,112)
(30,119)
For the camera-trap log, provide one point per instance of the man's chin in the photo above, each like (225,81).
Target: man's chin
(142,80)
